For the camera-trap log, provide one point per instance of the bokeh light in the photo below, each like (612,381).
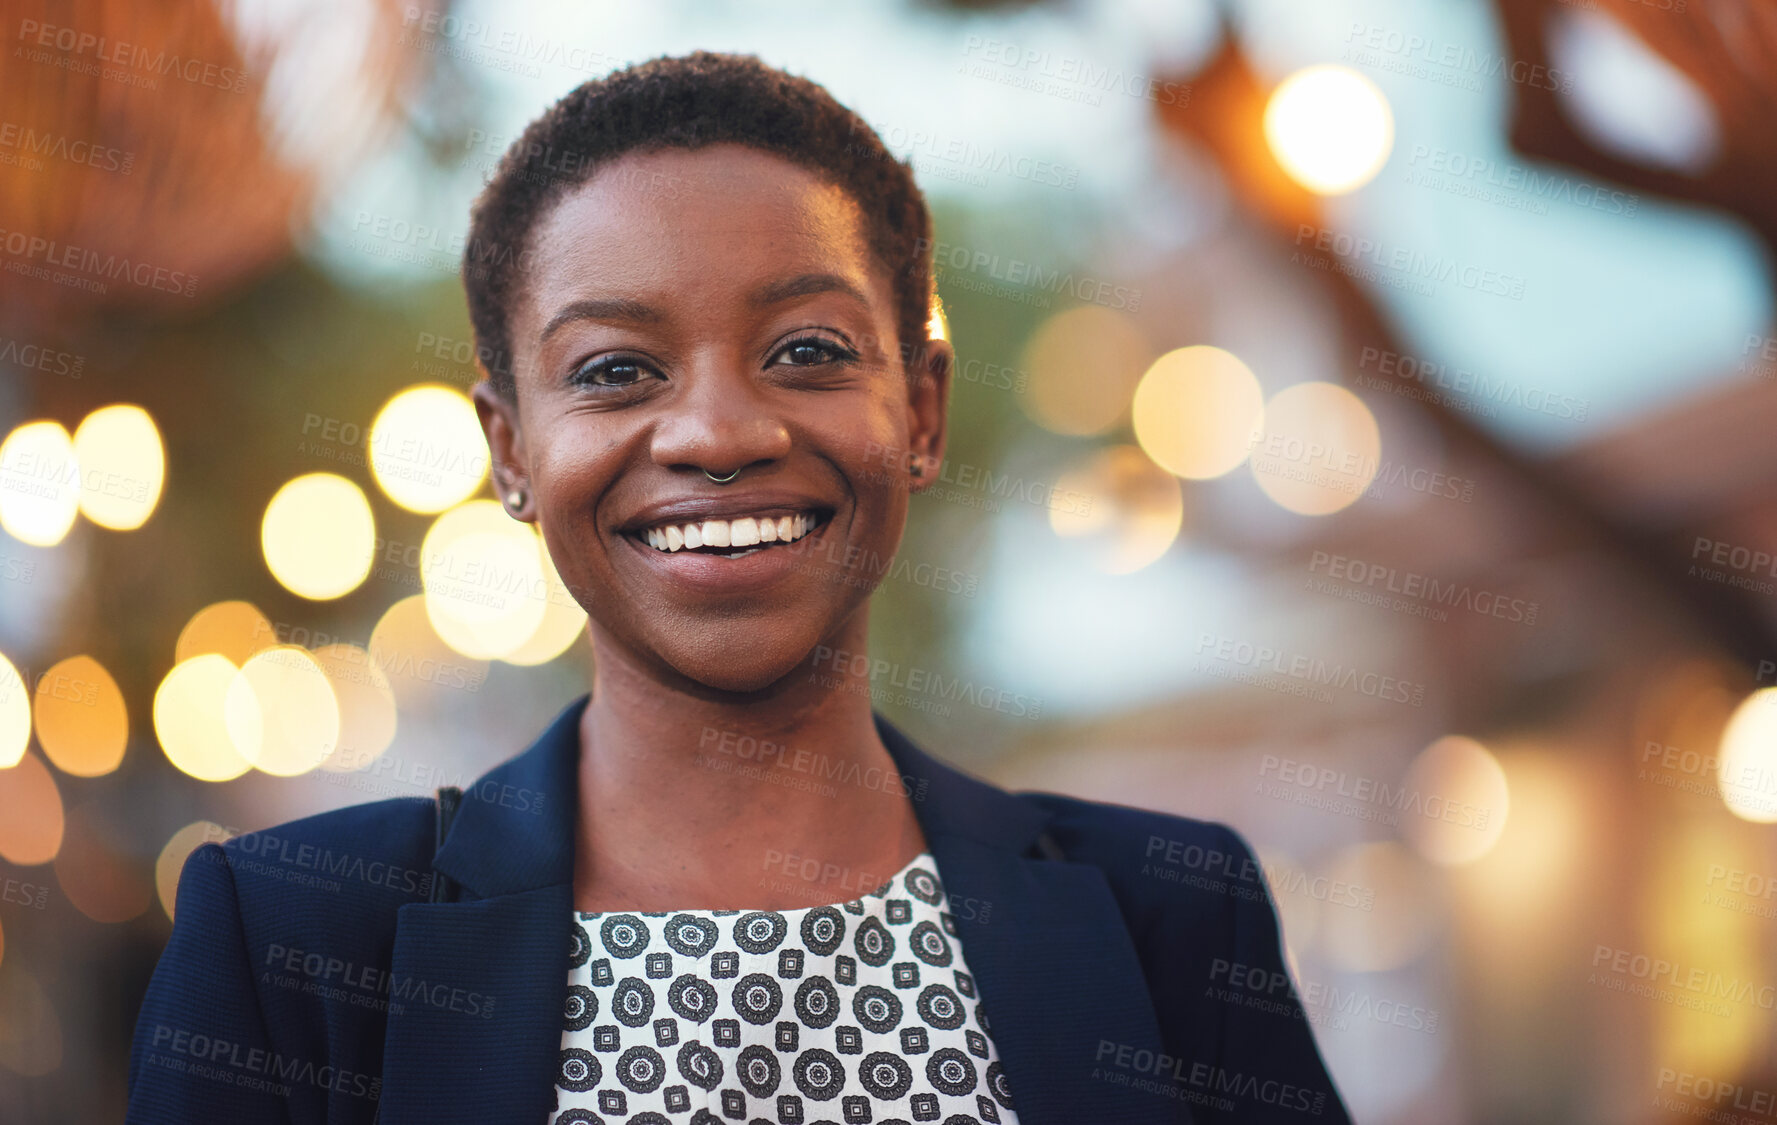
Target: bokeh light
(81,721)
(171,861)
(1127,507)
(1330,128)
(1747,761)
(1458,801)
(1729,1032)
(281,713)
(563,623)
(1083,365)
(39,484)
(1319,450)
(15,715)
(31,821)
(319,536)
(96,873)
(189,719)
(1542,847)
(235,629)
(427,451)
(367,714)
(122,466)
(1407,909)
(1198,411)
(419,665)
(483,577)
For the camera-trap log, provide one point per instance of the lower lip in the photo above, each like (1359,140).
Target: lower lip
(705,573)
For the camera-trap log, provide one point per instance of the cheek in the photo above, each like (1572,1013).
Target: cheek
(568,481)
(572,466)
(874,444)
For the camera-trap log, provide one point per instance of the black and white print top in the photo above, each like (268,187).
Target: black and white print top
(862,1011)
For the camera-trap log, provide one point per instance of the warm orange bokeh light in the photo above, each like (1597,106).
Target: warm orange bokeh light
(367,714)
(1198,411)
(1330,128)
(1083,365)
(80,716)
(30,813)
(1319,451)
(1117,499)
(236,630)
(190,721)
(1461,791)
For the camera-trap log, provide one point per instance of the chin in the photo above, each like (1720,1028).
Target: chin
(743,681)
(735,668)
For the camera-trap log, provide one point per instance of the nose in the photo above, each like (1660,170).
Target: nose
(720,422)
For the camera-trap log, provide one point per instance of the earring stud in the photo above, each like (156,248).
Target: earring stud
(916,465)
(515,499)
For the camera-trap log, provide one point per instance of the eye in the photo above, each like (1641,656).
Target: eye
(609,371)
(813,351)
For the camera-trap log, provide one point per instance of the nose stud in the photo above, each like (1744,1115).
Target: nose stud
(721,480)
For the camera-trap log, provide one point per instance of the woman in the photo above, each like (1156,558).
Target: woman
(721,887)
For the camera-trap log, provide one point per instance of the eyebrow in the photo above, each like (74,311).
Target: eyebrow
(620,309)
(805,285)
(627,311)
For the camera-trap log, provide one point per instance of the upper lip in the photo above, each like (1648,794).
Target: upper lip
(728,506)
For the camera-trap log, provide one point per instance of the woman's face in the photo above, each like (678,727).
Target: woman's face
(714,309)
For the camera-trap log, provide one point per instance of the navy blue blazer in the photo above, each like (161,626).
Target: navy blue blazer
(1129,960)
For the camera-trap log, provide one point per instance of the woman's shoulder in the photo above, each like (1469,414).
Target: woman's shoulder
(333,866)
(278,936)
(1151,858)
(1202,921)
(1105,826)
(396,829)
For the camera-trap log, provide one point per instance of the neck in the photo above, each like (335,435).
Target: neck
(693,799)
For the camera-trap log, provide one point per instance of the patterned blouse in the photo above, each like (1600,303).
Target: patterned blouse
(863,1011)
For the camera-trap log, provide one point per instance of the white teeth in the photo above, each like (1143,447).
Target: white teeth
(747,531)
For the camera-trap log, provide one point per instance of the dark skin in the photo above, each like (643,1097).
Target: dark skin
(619,407)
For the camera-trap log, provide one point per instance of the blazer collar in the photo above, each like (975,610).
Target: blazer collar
(515,829)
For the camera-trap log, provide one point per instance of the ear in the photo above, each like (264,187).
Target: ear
(505,443)
(928,407)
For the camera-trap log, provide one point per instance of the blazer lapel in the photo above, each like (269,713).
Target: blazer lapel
(1058,976)
(481,982)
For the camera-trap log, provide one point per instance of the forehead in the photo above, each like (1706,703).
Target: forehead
(678,225)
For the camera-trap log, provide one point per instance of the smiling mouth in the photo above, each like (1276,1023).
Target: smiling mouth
(734,538)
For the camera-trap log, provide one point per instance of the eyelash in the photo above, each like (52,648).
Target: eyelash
(835,353)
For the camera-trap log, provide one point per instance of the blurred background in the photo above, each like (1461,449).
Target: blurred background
(1365,434)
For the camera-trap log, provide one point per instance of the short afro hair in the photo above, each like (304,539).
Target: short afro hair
(688,102)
